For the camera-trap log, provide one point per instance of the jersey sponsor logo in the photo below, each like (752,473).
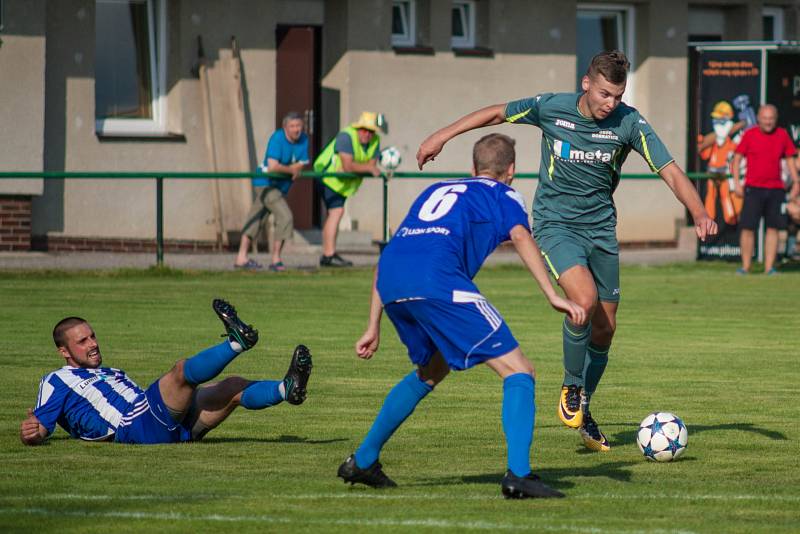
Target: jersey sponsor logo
(89,381)
(405,231)
(565,151)
(605,134)
(642,121)
(565,124)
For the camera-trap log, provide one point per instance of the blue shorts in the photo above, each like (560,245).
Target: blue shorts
(148,421)
(331,198)
(467,331)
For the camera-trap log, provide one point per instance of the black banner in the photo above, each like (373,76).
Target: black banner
(783,89)
(726,92)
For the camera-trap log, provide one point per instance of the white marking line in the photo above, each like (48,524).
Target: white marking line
(392,497)
(439,523)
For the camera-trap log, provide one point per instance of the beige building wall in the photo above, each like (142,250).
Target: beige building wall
(22,67)
(126,208)
(49,44)
(420,95)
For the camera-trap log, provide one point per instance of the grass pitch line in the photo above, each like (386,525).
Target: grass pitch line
(392,497)
(436,523)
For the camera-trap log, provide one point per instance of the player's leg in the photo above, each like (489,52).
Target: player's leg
(579,286)
(604,263)
(519,415)
(177,386)
(566,255)
(213,403)
(603,327)
(402,399)
(399,404)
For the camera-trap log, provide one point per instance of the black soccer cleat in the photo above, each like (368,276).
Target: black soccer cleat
(528,487)
(296,378)
(334,261)
(243,334)
(372,476)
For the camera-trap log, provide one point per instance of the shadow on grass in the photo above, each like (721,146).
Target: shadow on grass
(279,439)
(551,476)
(628,437)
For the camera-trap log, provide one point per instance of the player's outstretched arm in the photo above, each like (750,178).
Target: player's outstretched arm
(434,143)
(31,432)
(531,256)
(367,344)
(684,191)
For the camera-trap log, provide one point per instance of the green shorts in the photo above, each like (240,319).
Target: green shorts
(598,250)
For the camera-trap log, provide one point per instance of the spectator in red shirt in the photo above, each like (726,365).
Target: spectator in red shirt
(763,191)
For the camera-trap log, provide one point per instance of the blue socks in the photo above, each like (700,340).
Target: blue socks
(519,412)
(263,394)
(399,404)
(575,339)
(209,363)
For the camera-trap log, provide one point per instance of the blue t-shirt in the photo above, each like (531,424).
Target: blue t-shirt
(279,148)
(450,230)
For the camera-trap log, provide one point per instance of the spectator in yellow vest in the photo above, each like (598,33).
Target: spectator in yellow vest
(355,149)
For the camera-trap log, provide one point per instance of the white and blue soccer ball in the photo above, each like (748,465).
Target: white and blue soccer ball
(390,158)
(662,437)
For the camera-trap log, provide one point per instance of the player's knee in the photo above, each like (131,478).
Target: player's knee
(433,375)
(604,331)
(233,385)
(588,307)
(176,374)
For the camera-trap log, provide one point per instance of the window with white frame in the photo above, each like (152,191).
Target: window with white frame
(603,28)
(772,18)
(404,23)
(463,29)
(130,67)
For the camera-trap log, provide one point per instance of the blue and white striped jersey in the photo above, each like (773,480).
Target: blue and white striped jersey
(87,403)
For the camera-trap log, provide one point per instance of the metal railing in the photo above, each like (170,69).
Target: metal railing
(159,178)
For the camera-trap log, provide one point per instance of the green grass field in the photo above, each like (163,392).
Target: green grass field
(718,350)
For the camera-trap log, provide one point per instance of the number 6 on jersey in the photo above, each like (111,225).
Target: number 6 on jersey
(440,202)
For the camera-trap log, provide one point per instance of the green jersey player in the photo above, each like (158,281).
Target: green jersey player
(586,137)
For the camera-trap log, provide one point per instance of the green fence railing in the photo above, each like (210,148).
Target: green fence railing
(159,178)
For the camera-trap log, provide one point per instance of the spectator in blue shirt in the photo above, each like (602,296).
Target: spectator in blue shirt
(287,152)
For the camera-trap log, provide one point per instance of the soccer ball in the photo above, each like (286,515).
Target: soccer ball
(662,437)
(390,158)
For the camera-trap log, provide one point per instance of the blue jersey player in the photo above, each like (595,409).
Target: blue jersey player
(96,403)
(586,138)
(424,282)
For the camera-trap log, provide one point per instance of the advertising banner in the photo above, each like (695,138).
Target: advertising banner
(783,89)
(726,89)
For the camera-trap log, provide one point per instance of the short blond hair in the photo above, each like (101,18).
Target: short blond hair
(493,153)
